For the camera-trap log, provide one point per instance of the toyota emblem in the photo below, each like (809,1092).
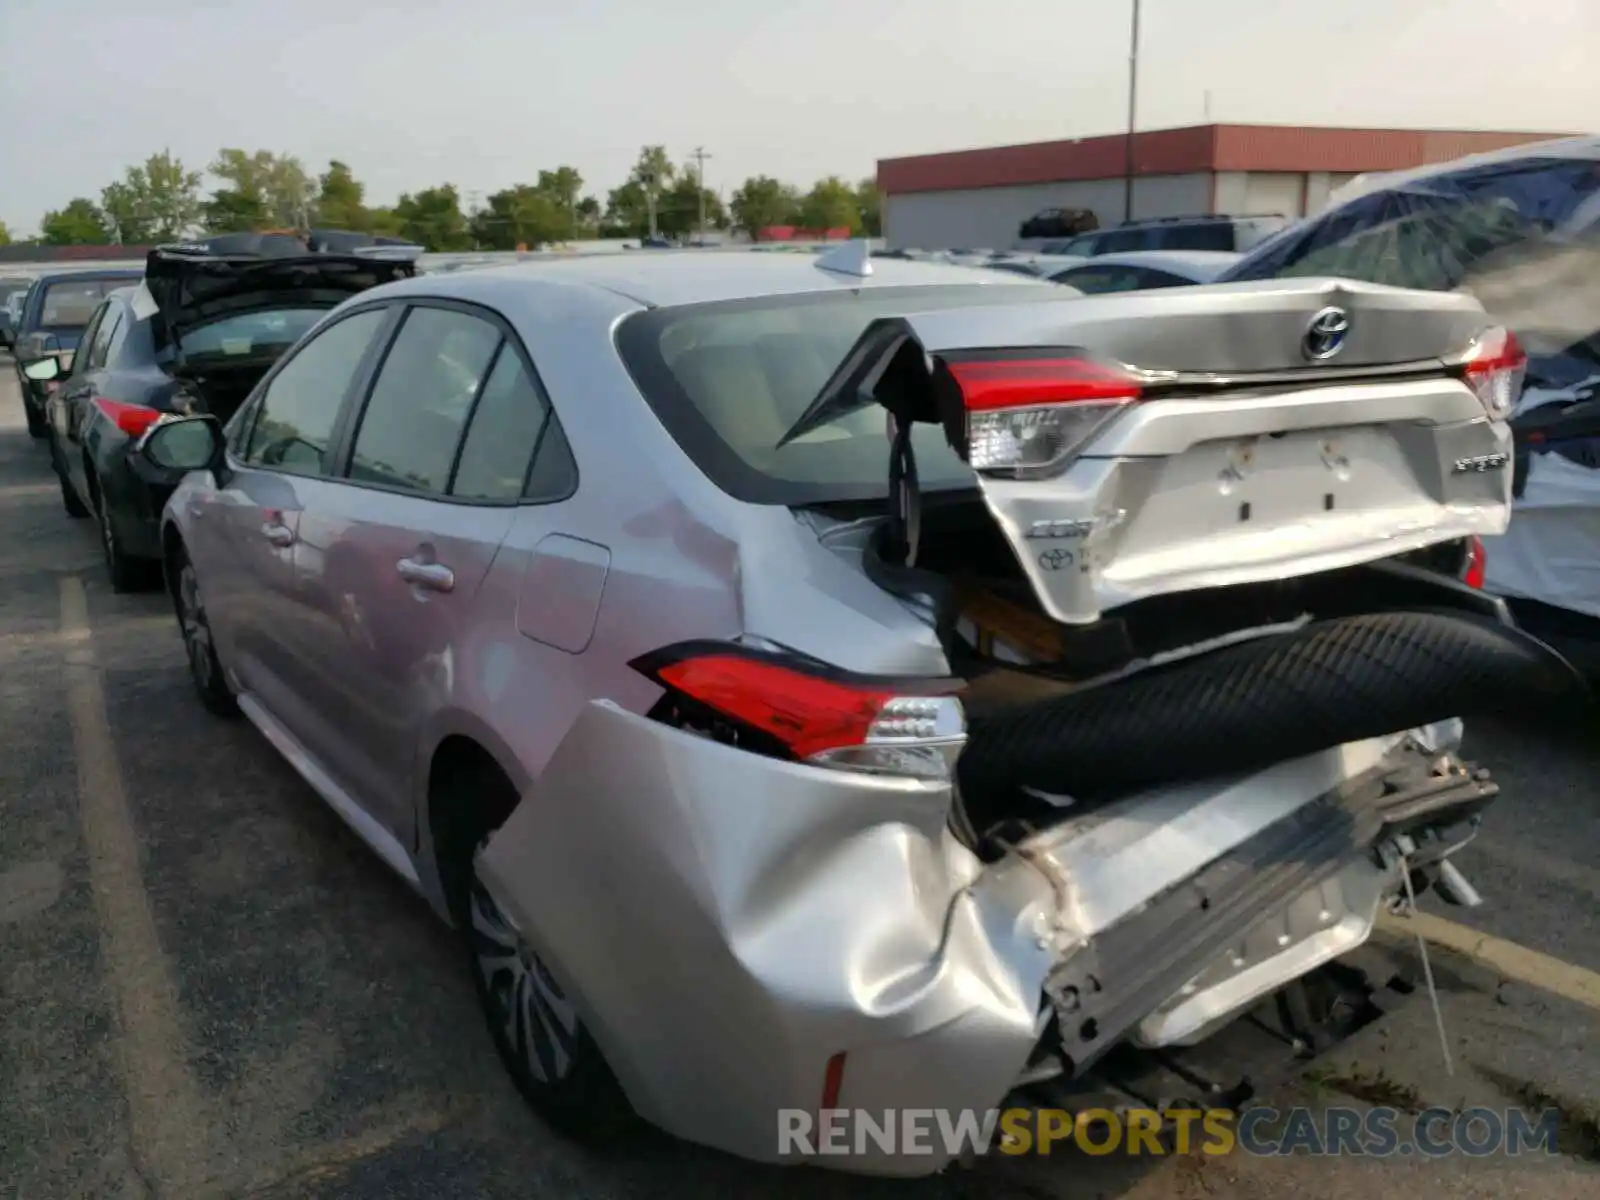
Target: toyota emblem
(1325,335)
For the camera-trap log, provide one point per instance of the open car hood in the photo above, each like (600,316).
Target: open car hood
(187,286)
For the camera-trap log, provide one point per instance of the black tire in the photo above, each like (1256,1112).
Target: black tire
(545,1047)
(127,573)
(205,670)
(70,500)
(38,427)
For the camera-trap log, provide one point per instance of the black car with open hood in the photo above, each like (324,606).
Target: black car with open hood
(209,319)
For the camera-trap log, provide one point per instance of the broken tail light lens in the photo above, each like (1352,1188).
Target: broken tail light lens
(1029,416)
(1495,369)
(790,708)
(132,419)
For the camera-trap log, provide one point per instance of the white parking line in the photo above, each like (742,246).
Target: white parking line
(170,1134)
(1511,961)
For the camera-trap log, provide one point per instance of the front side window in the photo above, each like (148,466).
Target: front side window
(1196,235)
(296,418)
(422,398)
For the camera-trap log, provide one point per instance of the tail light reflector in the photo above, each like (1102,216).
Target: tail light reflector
(1476,569)
(1029,416)
(132,419)
(809,713)
(1495,371)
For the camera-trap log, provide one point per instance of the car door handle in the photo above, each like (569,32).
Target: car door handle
(435,576)
(278,535)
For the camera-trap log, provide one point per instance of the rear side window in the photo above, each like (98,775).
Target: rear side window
(294,428)
(422,398)
(1119,241)
(511,424)
(110,321)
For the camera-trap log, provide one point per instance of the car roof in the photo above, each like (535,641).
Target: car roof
(659,280)
(1198,264)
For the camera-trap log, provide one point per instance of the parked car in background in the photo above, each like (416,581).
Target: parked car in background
(13,289)
(1234,234)
(1058,223)
(1520,230)
(209,320)
(592,596)
(1035,266)
(55,311)
(1140,269)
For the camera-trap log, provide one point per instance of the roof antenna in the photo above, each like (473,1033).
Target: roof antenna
(848,258)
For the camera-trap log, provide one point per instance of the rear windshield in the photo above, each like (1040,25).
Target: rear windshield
(70,303)
(729,379)
(251,334)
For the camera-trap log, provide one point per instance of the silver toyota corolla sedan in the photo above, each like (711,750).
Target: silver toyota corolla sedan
(818,684)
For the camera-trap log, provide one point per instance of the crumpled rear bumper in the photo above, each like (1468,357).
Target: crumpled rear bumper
(729,925)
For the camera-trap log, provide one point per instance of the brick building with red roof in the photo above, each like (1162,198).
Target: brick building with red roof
(979,198)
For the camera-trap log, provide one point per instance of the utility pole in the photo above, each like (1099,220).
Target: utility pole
(648,179)
(1133,111)
(700,157)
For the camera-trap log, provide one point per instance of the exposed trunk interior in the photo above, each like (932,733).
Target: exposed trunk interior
(221,386)
(1200,683)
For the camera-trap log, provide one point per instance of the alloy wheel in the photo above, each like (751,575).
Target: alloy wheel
(192,620)
(536,1019)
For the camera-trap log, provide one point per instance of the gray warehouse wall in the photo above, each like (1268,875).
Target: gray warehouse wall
(987,218)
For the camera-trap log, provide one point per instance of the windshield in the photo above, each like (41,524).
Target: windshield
(251,334)
(729,379)
(69,304)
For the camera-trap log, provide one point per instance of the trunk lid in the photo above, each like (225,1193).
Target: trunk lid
(1198,437)
(192,284)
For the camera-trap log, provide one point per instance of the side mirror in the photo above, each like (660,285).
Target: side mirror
(43,370)
(184,444)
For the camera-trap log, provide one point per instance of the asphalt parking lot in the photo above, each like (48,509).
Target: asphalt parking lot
(209,988)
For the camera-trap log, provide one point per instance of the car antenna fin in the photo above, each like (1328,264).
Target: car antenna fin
(848,258)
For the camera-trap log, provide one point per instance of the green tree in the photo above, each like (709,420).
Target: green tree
(157,201)
(831,204)
(80,223)
(589,212)
(341,199)
(433,218)
(562,187)
(521,215)
(627,211)
(276,184)
(762,201)
(678,210)
(231,210)
(5,235)
(384,221)
(869,202)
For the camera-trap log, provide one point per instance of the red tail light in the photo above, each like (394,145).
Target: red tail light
(1018,383)
(796,710)
(132,419)
(1030,415)
(1495,371)
(1474,572)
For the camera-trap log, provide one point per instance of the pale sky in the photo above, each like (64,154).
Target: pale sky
(484,93)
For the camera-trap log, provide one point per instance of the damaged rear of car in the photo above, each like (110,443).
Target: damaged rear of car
(1132,707)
